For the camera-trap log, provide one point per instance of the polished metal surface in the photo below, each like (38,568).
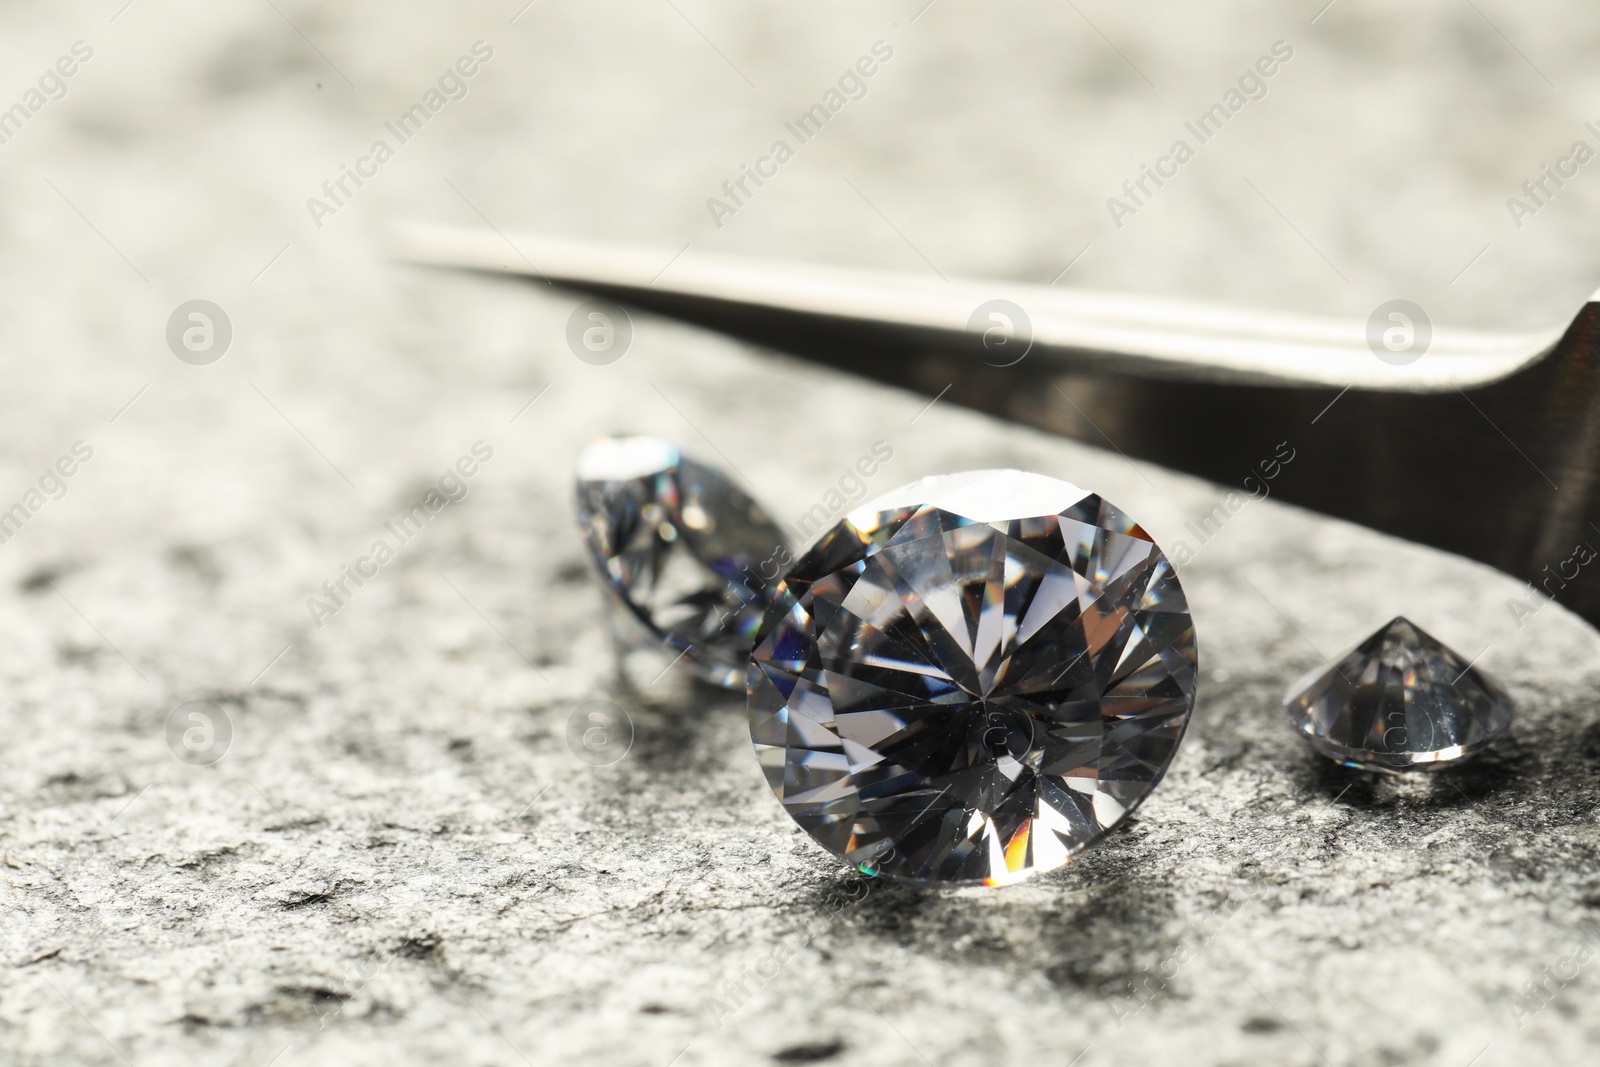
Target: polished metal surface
(1488,445)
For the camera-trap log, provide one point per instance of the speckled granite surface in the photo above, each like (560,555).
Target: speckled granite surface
(398,859)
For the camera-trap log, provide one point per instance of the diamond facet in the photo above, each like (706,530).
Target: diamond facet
(1399,701)
(678,548)
(972,678)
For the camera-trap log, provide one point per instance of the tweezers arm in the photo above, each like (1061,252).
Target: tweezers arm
(1139,334)
(1487,446)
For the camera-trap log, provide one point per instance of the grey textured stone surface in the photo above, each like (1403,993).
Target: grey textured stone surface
(399,861)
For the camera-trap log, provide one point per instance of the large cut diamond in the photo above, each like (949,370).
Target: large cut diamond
(680,549)
(972,679)
(1399,701)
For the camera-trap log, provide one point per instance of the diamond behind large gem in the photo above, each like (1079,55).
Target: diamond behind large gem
(679,548)
(1399,701)
(972,678)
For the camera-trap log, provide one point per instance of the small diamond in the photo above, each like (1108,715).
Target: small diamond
(680,549)
(1400,701)
(972,679)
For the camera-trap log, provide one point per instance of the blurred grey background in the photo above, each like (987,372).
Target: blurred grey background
(396,859)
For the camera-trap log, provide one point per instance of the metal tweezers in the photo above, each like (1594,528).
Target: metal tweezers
(1486,446)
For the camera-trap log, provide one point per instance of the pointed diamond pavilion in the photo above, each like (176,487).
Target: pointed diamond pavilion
(1399,701)
(972,679)
(679,549)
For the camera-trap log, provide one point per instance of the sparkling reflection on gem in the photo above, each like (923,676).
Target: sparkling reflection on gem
(1399,701)
(972,679)
(679,549)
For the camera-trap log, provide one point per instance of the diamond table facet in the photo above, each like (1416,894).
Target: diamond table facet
(679,549)
(972,679)
(1399,701)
